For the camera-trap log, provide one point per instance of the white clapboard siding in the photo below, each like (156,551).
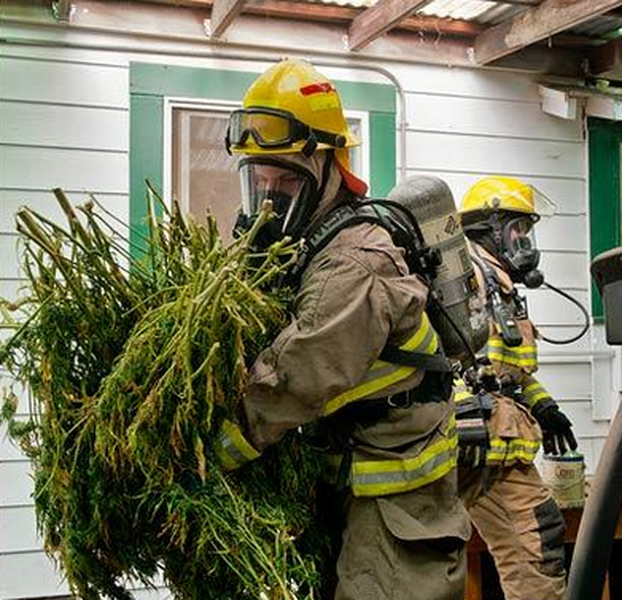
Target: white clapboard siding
(9,253)
(64,126)
(16,488)
(33,575)
(548,308)
(551,352)
(11,288)
(64,122)
(18,529)
(567,380)
(466,83)
(43,81)
(468,153)
(9,452)
(562,232)
(71,169)
(29,575)
(566,269)
(476,116)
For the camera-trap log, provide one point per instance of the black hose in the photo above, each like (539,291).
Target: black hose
(598,524)
(581,307)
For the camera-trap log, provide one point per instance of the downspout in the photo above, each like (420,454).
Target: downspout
(401,98)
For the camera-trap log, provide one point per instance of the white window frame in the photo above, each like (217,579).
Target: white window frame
(226,106)
(170,104)
(365,148)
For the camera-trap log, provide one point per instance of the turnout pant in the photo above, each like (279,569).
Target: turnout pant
(407,546)
(524,531)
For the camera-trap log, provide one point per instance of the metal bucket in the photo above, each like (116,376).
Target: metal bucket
(565,477)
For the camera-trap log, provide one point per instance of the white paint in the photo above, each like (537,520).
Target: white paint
(558,103)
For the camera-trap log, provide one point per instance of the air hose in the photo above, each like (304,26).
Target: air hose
(586,316)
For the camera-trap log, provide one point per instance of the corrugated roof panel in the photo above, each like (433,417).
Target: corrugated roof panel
(598,26)
(467,10)
(349,3)
(500,12)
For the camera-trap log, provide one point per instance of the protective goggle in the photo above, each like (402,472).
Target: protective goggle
(272,128)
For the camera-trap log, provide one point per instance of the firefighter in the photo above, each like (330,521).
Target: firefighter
(515,514)
(391,427)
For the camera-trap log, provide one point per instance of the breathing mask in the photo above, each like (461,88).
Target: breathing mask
(292,189)
(517,248)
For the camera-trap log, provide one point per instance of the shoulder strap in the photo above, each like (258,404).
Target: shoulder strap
(429,362)
(490,277)
(340,218)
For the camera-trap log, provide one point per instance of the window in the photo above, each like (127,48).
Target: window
(198,171)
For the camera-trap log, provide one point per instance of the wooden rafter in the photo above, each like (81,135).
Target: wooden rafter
(535,24)
(379,19)
(223,14)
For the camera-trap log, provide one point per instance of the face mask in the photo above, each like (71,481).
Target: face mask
(290,187)
(270,232)
(519,252)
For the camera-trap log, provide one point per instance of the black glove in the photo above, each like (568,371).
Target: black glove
(557,434)
(473,439)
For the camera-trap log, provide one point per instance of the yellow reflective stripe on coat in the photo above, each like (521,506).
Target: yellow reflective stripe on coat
(383,374)
(520,356)
(383,477)
(461,391)
(515,449)
(232,448)
(534,393)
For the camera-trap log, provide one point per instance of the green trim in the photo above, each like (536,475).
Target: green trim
(605,138)
(146,143)
(188,82)
(382,153)
(151,83)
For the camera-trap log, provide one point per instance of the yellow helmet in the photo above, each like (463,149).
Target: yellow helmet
(288,109)
(505,193)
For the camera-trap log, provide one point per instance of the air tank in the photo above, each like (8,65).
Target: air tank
(462,320)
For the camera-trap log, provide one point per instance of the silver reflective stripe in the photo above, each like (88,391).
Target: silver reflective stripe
(388,477)
(231,450)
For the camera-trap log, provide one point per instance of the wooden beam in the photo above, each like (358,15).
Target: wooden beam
(535,24)
(606,61)
(224,13)
(379,19)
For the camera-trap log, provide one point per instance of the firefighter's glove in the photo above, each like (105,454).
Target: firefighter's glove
(557,436)
(473,439)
